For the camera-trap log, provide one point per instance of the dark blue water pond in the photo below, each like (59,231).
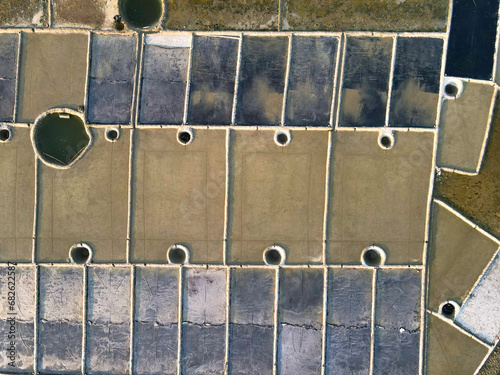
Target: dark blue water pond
(471,45)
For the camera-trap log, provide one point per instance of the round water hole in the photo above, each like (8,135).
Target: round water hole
(5,134)
(60,138)
(177,254)
(274,256)
(282,138)
(373,256)
(185,136)
(447,309)
(386,141)
(112,135)
(451,89)
(141,13)
(80,253)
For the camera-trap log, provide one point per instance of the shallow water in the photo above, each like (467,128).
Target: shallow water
(61,139)
(141,13)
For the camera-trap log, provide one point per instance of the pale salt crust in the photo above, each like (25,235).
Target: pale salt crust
(480,312)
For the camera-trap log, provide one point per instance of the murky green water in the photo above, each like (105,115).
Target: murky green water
(60,139)
(141,13)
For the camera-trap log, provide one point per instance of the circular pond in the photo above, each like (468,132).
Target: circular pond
(141,13)
(178,254)
(80,253)
(274,256)
(60,138)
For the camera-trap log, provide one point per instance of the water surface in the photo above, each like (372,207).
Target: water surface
(141,13)
(60,138)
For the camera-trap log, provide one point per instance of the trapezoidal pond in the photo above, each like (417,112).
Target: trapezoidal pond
(60,138)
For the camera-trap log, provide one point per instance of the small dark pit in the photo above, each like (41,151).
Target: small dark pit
(273,257)
(448,309)
(385,141)
(177,255)
(372,258)
(4,135)
(282,139)
(112,134)
(451,89)
(80,255)
(184,137)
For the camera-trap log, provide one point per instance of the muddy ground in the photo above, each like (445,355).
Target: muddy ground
(307,15)
(373,15)
(332,15)
(23,13)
